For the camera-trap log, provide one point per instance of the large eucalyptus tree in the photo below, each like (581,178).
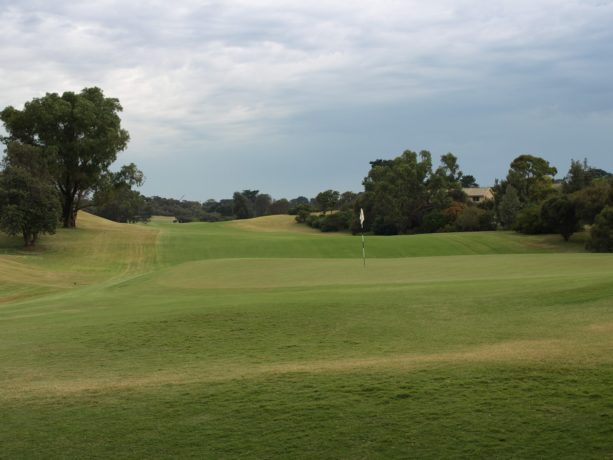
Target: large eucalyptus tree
(79,135)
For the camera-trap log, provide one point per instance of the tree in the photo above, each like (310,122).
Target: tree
(242,206)
(262,204)
(397,193)
(577,177)
(327,201)
(469,181)
(509,207)
(601,233)
(532,178)
(558,213)
(279,206)
(114,198)
(591,200)
(347,200)
(450,168)
(581,175)
(78,134)
(472,219)
(29,205)
(251,195)
(529,221)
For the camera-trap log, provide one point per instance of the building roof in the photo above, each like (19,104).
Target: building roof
(477,191)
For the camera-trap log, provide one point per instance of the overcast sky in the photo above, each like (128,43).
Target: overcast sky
(294,97)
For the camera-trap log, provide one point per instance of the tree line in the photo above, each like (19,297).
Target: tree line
(530,201)
(407,194)
(242,205)
(59,150)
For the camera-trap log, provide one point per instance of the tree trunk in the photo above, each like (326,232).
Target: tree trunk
(29,238)
(69,214)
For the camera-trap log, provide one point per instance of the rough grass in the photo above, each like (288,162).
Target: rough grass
(224,340)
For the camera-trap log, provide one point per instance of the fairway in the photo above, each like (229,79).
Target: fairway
(263,338)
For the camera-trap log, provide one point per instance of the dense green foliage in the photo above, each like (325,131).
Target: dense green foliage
(79,136)
(529,202)
(529,181)
(29,204)
(406,195)
(215,341)
(115,200)
(601,234)
(558,213)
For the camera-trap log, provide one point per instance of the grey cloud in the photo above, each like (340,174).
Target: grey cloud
(219,81)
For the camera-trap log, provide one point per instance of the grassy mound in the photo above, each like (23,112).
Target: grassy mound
(258,339)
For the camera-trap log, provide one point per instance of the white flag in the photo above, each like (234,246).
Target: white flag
(361,217)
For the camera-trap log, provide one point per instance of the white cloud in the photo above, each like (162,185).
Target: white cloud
(193,75)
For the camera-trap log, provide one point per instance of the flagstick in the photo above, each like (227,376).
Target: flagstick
(363,249)
(363,246)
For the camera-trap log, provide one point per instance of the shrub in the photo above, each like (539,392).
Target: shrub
(529,221)
(337,221)
(558,213)
(601,233)
(433,221)
(473,219)
(302,214)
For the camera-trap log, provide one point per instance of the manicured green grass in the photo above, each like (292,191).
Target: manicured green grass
(260,340)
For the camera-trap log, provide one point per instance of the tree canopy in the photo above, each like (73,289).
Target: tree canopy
(406,195)
(29,204)
(77,134)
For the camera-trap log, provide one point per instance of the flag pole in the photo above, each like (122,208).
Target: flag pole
(363,244)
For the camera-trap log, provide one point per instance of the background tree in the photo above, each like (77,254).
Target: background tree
(29,204)
(577,177)
(450,169)
(396,192)
(468,181)
(601,233)
(532,178)
(280,206)
(581,175)
(262,204)
(114,198)
(327,201)
(472,219)
(509,207)
(347,200)
(558,213)
(242,206)
(79,134)
(591,200)
(529,221)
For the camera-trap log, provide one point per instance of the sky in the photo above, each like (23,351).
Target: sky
(295,97)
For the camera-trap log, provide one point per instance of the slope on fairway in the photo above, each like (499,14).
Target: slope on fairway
(96,251)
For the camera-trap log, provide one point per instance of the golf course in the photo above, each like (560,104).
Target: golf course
(264,338)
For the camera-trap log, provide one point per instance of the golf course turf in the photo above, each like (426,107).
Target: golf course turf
(263,338)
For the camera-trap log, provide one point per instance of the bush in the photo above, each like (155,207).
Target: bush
(601,233)
(312,220)
(337,221)
(473,219)
(384,225)
(433,222)
(558,213)
(302,214)
(529,221)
